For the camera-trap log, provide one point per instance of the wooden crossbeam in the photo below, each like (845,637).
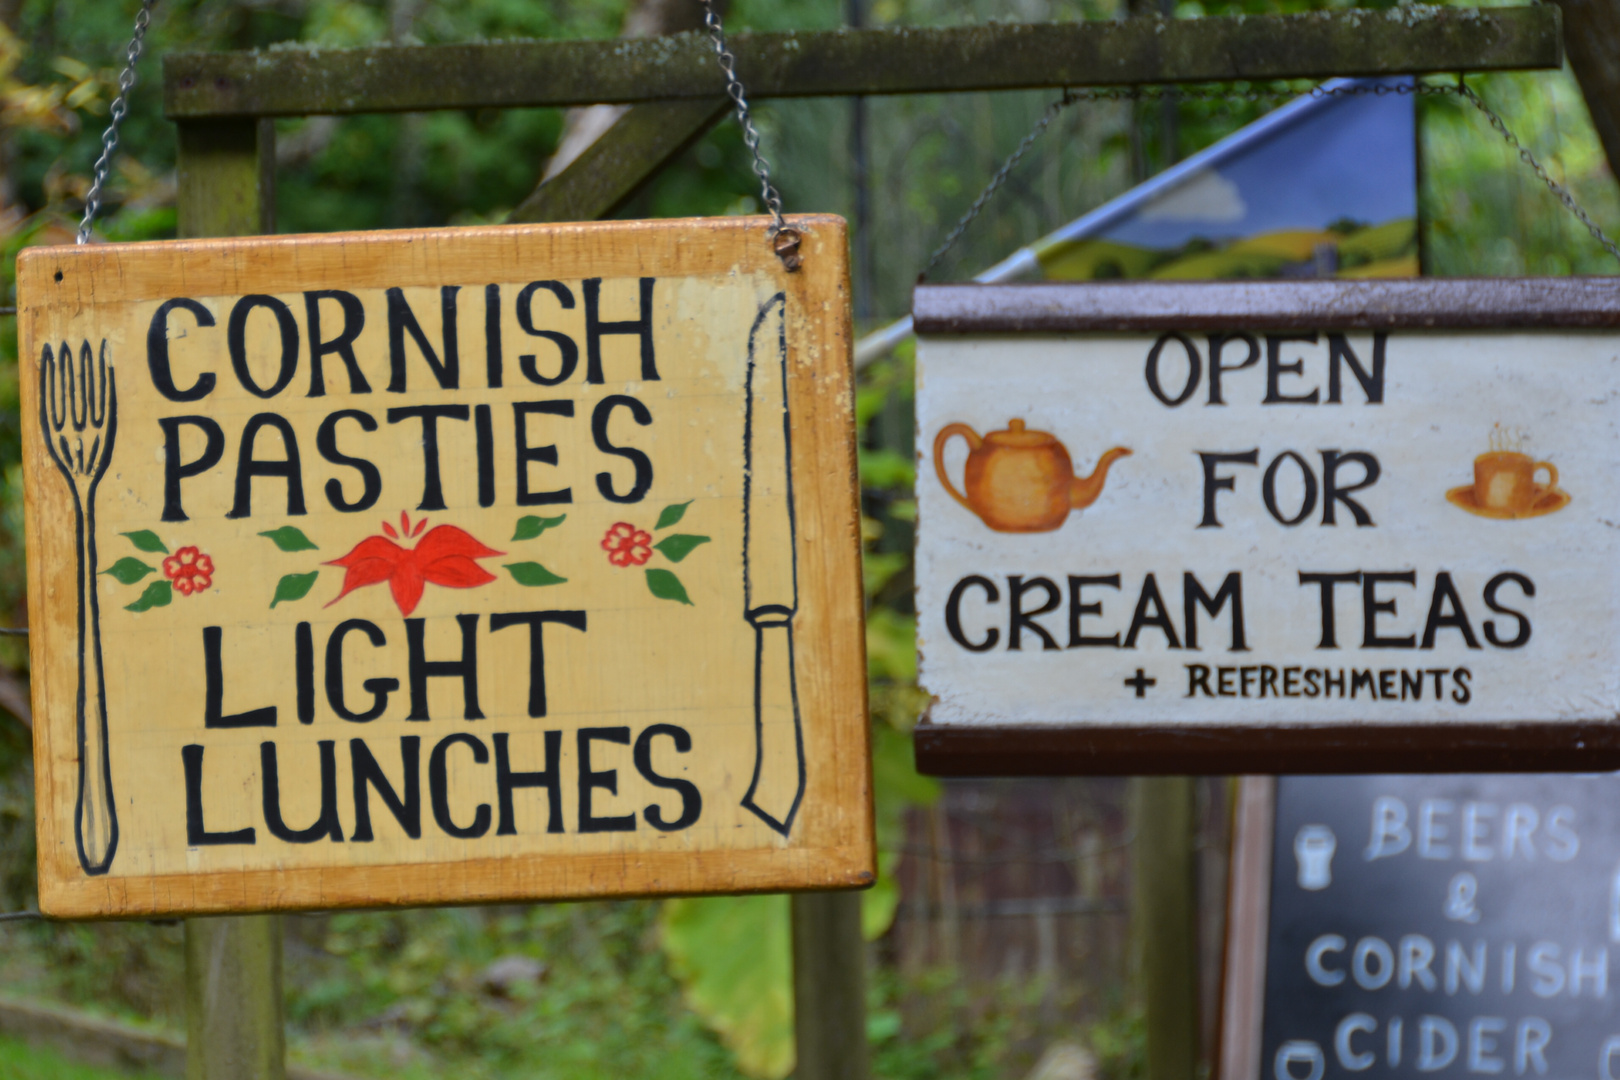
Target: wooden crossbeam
(893,60)
(627,155)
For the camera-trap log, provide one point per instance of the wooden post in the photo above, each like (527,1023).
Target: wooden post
(829,987)
(1163,922)
(233,999)
(233,964)
(1592,37)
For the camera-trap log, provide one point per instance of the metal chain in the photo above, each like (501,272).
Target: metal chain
(1529,159)
(120,106)
(734,88)
(990,189)
(1257,94)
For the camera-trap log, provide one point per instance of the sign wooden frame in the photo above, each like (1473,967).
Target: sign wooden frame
(1248,903)
(1161,744)
(805,592)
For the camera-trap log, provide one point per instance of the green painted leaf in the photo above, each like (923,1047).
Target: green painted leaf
(678,546)
(294,586)
(672,514)
(287,538)
(157,594)
(734,956)
(128,570)
(146,540)
(532,573)
(529,527)
(666,586)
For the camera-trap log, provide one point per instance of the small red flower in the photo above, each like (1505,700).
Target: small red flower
(190,570)
(627,545)
(444,557)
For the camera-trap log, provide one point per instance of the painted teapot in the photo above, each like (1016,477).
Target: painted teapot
(1019,480)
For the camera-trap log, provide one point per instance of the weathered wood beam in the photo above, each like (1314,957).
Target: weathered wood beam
(233,965)
(615,166)
(1594,53)
(1164,922)
(829,987)
(893,60)
(234,1000)
(226,175)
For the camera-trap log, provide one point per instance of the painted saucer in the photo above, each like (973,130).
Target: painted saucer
(1547,501)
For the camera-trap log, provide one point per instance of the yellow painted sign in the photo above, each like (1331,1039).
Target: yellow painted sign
(443,566)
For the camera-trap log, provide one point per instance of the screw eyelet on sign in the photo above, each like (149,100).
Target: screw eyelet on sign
(786,246)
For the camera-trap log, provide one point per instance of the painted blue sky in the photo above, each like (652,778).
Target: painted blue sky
(1349,157)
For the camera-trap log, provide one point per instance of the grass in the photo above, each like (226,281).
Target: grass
(19,1061)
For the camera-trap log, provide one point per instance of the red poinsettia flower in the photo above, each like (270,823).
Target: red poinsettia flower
(627,545)
(190,570)
(444,557)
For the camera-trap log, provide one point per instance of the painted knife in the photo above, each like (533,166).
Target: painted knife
(770,573)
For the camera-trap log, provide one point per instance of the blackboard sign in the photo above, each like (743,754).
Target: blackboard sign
(1442,925)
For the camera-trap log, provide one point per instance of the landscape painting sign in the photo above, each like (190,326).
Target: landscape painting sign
(1198,527)
(443,566)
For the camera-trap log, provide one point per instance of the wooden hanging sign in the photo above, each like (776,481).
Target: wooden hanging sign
(1309,526)
(460,565)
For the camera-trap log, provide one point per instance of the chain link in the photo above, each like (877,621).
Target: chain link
(1256,94)
(990,189)
(734,88)
(120,107)
(1561,192)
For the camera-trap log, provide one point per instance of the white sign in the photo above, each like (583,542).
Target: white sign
(1399,527)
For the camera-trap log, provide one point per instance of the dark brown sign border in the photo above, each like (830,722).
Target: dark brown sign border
(1165,747)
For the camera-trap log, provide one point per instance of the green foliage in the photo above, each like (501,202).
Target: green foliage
(1120,1042)
(734,955)
(896,787)
(1484,212)
(17,881)
(409,993)
(19,1061)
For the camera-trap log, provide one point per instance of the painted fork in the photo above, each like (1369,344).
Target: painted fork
(78,412)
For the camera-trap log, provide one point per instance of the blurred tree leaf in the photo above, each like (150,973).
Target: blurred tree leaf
(877,568)
(891,645)
(887,469)
(734,956)
(896,786)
